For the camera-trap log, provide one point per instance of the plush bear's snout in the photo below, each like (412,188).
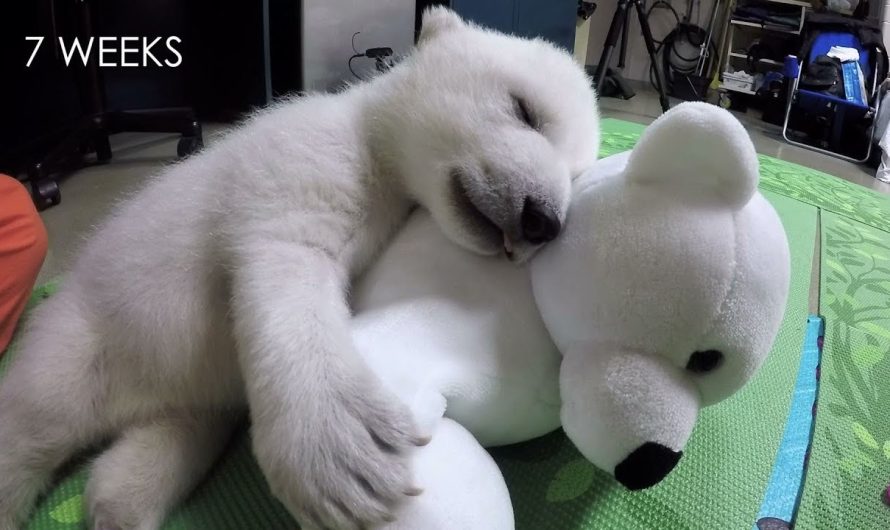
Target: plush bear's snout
(629,413)
(646,466)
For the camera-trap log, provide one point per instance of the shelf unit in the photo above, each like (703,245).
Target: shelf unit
(730,56)
(801,3)
(736,89)
(762,59)
(767,28)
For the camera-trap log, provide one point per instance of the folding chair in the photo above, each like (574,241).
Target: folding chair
(841,110)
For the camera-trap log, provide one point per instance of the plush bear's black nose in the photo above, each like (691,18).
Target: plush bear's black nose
(646,466)
(539,223)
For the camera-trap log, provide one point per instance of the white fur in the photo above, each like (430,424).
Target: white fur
(222,285)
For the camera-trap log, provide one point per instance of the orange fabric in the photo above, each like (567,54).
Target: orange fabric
(22,250)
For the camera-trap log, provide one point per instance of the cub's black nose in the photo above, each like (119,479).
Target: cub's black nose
(539,223)
(646,466)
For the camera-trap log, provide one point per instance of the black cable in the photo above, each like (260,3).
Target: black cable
(673,62)
(349,63)
(663,4)
(659,44)
(356,56)
(353,42)
(688,32)
(695,36)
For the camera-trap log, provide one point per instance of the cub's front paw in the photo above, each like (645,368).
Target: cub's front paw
(343,461)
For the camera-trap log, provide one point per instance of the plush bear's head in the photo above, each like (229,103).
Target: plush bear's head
(665,292)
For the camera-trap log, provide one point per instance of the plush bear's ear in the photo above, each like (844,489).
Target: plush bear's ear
(436,21)
(700,151)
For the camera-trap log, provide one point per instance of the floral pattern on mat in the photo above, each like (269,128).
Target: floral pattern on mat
(850,459)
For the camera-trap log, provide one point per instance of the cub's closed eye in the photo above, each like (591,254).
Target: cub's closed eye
(702,362)
(524,113)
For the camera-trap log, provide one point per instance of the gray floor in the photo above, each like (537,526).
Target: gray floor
(89,194)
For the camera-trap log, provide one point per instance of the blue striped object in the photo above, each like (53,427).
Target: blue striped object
(851,82)
(786,483)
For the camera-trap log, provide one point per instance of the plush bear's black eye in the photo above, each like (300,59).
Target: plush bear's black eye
(524,113)
(702,362)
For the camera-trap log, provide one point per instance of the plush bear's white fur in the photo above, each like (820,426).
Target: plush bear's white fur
(223,284)
(668,250)
(679,255)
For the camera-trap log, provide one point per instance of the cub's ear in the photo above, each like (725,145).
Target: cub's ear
(438,20)
(699,151)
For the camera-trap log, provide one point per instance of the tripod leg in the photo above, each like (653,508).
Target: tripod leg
(650,47)
(622,54)
(609,46)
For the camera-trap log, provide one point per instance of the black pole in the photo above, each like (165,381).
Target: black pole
(622,55)
(609,46)
(653,56)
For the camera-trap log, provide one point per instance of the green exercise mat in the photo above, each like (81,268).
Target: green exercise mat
(849,463)
(719,483)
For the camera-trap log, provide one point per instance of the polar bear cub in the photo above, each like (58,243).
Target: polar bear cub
(222,286)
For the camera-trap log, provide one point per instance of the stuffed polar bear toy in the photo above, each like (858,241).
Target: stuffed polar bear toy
(663,295)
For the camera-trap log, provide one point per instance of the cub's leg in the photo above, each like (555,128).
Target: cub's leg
(52,403)
(153,466)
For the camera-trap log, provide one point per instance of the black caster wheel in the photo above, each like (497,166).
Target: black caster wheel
(103,148)
(46,193)
(188,145)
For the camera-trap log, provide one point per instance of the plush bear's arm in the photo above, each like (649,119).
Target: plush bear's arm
(434,320)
